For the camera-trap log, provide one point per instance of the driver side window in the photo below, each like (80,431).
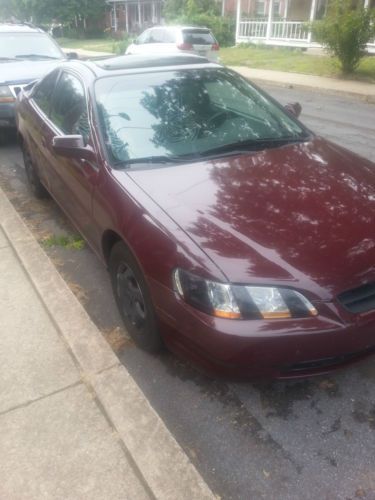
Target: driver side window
(69,108)
(43,90)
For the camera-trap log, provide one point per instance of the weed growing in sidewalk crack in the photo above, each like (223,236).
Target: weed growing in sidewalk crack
(74,242)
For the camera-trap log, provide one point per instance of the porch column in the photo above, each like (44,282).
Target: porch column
(312,16)
(286,9)
(367,4)
(270,18)
(153,12)
(139,14)
(238,19)
(126,17)
(114,17)
(222,8)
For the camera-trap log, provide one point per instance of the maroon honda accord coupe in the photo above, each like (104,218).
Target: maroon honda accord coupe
(232,233)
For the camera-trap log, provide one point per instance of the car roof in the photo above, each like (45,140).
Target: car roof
(180,27)
(19,28)
(144,63)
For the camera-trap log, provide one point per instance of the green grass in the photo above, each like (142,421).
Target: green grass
(262,57)
(94,44)
(295,61)
(69,242)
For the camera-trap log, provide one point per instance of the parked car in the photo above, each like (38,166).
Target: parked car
(231,232)
(26,53)
(162,40)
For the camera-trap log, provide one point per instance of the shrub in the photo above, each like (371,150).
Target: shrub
(120,46)
(223,28)
(202,13)
(345,31)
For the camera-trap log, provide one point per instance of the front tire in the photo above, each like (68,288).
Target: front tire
(133,299)
(33,180)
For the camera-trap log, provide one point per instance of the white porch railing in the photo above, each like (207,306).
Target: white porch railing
(253,28)
(290,30)
(291,33)
(280,30)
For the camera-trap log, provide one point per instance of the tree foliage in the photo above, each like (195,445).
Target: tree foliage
(174,9)
(345,31)
(201,13)
(70,12)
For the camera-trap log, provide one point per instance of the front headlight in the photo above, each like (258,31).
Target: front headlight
(241,302)
(5,94)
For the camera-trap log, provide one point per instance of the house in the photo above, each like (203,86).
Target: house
(132,16)
(282,22)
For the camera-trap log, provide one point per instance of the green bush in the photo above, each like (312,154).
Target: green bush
(202,13)
(223,28)
(120,46)
(345,31)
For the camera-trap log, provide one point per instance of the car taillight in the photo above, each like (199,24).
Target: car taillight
(185,46)
(215,46)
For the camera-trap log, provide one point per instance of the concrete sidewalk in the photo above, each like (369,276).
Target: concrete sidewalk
(87,54)
(363,90)
(73,423)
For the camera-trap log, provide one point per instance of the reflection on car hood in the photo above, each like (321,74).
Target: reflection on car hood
(302,215)
(23,71)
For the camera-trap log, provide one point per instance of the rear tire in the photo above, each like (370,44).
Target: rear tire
(33,180)
(133,299)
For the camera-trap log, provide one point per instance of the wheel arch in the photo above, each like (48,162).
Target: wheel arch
(109,239)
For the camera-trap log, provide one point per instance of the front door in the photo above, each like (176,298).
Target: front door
(72,181)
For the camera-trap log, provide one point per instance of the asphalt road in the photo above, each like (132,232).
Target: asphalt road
(311,439)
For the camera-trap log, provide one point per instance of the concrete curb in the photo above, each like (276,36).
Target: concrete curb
(360,90)
(163,464)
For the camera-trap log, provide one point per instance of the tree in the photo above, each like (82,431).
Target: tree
(174,9)
(345,31)
(201,13)
(72,12)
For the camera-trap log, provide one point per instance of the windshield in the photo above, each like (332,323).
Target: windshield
(187,113)
(28,46)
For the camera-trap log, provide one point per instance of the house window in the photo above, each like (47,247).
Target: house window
(276,8)
(261,8)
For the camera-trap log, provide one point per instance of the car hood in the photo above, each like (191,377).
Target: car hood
(300,215)
(19,72)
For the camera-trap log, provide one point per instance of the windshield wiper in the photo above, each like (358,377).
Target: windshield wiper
(8,59)
(153,159)
(253,145)
(35,56)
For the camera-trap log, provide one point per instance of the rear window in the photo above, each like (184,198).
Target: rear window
(198,37)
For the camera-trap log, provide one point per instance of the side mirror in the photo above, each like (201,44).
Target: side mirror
(71,55)
(72,146)
(134,42)
(294,108)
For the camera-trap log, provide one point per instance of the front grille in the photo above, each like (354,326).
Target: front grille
(326,363)
(359,300)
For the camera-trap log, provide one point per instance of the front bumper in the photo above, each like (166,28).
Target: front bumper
(287,348)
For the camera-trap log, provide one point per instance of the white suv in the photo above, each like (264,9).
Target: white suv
(176,39)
